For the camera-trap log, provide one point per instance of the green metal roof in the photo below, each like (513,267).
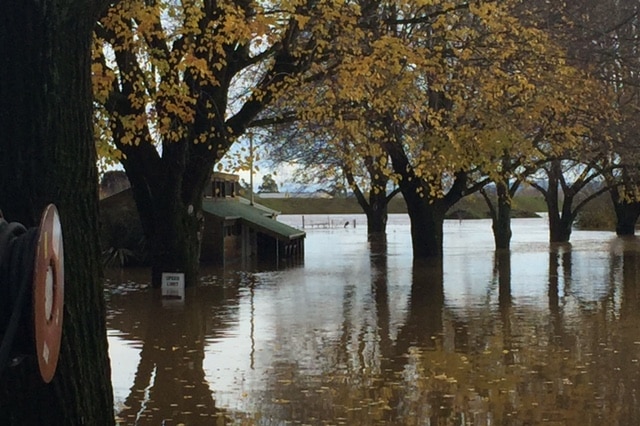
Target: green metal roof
(255,217)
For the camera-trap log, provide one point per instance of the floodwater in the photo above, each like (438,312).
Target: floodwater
(360,335)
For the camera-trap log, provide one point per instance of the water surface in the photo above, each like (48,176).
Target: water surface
(361,335)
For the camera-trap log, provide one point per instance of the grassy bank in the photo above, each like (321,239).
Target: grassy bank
(469,207)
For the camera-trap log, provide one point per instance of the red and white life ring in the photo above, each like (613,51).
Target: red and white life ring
(48,292)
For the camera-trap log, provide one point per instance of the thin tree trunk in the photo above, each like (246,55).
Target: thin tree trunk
(376,207)
(500,216)
(502,227)
(47,154)
(502,267)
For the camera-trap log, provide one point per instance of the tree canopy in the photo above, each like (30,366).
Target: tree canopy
(177,82)
(450,92)
(432,96)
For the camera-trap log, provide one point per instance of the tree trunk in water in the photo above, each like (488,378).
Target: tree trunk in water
(425,213)
(501,222)
(627,214)
(176,242)
(626,217)
(377,214)
(560,218)
(47,154)
(560,223)
(376,223)
(560,229)
(376,207)
(427,220)
(172,227)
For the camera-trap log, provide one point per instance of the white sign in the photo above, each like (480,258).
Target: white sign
(173,285)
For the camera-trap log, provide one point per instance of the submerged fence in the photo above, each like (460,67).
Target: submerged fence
(328,222)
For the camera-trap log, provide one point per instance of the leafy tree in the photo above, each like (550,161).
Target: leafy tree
(268,184)
(608,41)
(322,162)
(568,137)
(178,82)
(569,187)
(47,155)
(452,89)
(598,37)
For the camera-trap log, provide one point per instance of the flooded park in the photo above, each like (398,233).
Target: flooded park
(359,334)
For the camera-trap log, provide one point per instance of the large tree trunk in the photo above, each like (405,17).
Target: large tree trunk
(47,154)
(171,218)
(168,193)
(427,220)
(627,213)
(426,213)
(626,217)
(176,240)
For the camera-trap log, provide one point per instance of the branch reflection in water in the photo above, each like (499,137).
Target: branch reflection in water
(363,335)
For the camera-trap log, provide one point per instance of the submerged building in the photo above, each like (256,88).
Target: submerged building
(236,229)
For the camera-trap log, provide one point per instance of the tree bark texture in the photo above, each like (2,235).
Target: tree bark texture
(47,155)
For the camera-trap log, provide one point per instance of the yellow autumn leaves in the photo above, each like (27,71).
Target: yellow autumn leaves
(461,83)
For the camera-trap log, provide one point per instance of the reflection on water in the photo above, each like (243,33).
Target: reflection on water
(362,335)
